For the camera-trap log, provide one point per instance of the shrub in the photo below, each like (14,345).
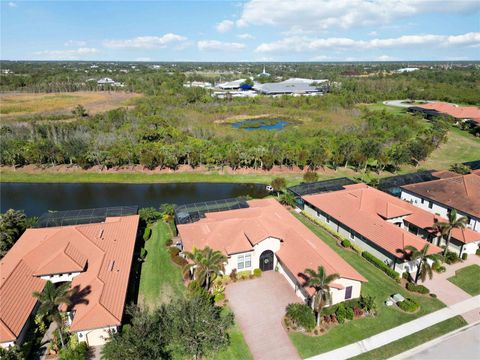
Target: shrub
(381,265)
(341,313)
(302,315)
(78,352)
(257,272)
(357,249)
(357,312)
(245,274)
(346,243)
(464,256)
(310,176)
(233,275)
(368,303)
(408,305)
(417,288)
(143,253)
(180,261)
(169,242)
(433,295)
(219,297)
(349,313)
(451,258)
(147,233)
(477,252)
(174,251)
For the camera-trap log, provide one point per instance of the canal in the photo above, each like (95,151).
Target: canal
(35,199)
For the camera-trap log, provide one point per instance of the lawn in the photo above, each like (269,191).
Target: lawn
(411,341)
(161,281)
(379,285)
(468,279)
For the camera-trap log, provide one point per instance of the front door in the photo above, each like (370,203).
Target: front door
(266,260)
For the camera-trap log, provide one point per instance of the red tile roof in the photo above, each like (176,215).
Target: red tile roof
(461,192)
(102,252)
(239,230)
(364,210)
(459,112)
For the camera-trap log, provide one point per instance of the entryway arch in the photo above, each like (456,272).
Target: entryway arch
(266,260)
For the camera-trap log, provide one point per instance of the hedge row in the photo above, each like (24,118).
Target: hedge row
(381,265)
(417,288)
(408,305)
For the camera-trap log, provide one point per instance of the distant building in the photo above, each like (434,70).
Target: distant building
(263,73)
(294,86)
(201,84)
(109,82)
(407,69)
(461,113)
(231,85)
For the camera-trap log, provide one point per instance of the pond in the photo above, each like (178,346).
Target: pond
(36,199)
(260,124)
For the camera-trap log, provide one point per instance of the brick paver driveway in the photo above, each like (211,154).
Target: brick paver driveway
(259,306)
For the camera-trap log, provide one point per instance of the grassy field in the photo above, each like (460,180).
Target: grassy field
(380,286)
(468,279)
(411,341)
(161,281)
(15,105)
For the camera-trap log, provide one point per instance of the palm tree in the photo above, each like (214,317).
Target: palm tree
(446,228)
(423,268)
(320,281)
(206,264)
(50,299)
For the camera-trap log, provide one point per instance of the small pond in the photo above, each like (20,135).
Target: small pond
(260,124)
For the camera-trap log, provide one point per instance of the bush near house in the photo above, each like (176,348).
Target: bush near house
(346,243)
(257,272)
(417,288)
(147,233)
(381,265)
(300,316)
(451,258)
(243,275)
(408,305)
(477,252)
(464,256)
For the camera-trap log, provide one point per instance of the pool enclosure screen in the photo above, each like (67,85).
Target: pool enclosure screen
(189,213)
(392,184)
(83,216)
(321,186)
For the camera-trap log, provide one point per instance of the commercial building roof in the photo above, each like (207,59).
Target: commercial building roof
(460,192)
(239,230)
(365,210)
(290,86)
(101,252)
(459,112)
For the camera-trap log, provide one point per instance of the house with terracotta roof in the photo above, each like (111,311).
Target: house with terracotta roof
(459,192)
(370,219)
(462,113)
(96,258)
(265,235)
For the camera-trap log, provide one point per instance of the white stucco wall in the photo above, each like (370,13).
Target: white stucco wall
(60,277)
(299,290)
(95,337)
(338,295)
(269,243)
(7,344)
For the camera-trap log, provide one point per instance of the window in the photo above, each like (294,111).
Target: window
(430,205)
(244,261)
(328,219)
(348,292)
(351,235)
(423,200)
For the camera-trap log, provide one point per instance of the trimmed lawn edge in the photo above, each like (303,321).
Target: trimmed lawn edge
(467,279)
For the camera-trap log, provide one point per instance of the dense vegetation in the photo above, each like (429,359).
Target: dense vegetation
(12,225)
(174,125)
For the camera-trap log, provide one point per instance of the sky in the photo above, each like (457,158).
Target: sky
(251,30)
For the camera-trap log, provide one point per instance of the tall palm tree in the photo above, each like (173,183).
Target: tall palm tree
(445,228)
(320,281)
(206,265)
(423,268)
(50,300)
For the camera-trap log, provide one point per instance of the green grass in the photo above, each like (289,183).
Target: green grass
(468,279)
(379,285)
(160,279)
(381,106)
(413,340)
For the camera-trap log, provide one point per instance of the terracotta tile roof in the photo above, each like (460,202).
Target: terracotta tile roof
(476,172)
(461,192)
(239,230)
(425,220)
(102,252)
(364,209)
(459,112)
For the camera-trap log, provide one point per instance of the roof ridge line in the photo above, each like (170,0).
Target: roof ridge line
(65,252)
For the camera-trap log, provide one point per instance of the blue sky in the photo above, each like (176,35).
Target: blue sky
(253,30)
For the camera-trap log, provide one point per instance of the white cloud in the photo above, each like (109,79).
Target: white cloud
(385,58)
(214,45)
(75,43)
(306,44)
(224,26)
(246,36)
(12,4)
(145,42)
(73,54)
(143,59)
(325,14)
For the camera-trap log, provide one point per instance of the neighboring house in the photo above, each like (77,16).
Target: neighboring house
(109,82)
(231,85)
(265,235)
(96,258)
(460,192)
(431,110)
(370,219)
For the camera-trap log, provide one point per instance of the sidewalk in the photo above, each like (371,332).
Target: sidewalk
(401,331)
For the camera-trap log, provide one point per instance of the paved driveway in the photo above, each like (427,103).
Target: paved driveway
(259,306)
